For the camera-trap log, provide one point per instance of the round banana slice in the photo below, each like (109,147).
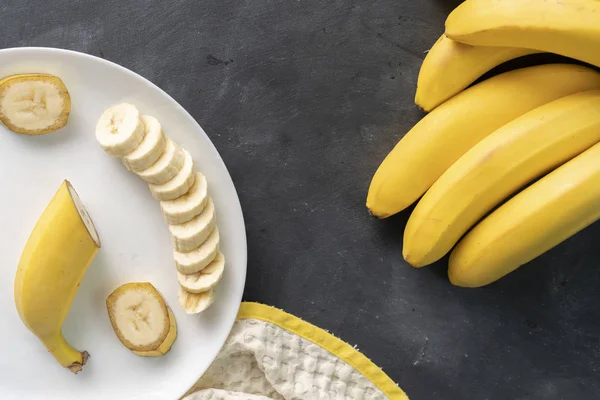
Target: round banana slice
(120,129)
(165,346)
(188,206)
(204,280)
(190,235)
(34,104)
(150,149)
(166,167)
(196,260)
(179,185)
(194,303)
(139,317)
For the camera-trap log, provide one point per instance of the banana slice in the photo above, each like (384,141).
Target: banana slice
(150,149)
(34,104)
(204,280)
(190,235)
(194,303)
(179,185)
(140,318)
(166,167)
(188,206)
(165,346)
(120,129)
(196,260)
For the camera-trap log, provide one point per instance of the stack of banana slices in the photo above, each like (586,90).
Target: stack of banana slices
(480,145)
(182,192)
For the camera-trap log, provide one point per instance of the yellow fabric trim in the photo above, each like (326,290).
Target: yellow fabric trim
(327,341)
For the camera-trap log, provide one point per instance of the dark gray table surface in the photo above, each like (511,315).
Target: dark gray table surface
(303,99)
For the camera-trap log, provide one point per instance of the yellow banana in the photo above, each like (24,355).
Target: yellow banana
(496,167)
(567,27)
(450,130)
(52,265)
(537,219)
(450,66)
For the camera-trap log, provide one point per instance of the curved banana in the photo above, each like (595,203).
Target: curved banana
(567,27)
(535,220)
(450,67)
(497,166)
(53,263)
(450,130)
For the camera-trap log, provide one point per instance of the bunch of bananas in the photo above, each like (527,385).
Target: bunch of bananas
(479,146)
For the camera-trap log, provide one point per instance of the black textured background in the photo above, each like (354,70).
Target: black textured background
(303,99)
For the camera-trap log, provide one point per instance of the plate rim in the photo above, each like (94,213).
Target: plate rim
(238,209)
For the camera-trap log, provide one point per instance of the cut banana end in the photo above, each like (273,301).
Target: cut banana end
(188,206)
(190,235)
(120,129)
(34,104)
(198,259)
(141,319)
(194,303)
(165,346)
(179,185)
(166,167)
(204,280)
(150,149)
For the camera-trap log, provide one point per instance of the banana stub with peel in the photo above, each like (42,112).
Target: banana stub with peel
(141,319)
(54,261)
(34,104)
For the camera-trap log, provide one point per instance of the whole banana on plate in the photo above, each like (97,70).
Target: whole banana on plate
(52,265)
(34,104)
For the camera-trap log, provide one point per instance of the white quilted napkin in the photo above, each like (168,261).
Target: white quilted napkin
(273,355)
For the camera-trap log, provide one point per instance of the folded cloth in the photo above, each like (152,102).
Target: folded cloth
(272,355)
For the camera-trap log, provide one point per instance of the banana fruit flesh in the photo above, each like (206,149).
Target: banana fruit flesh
(198,259)
(194,303)
(189,205)
(120,129)
(206,279)
(34,104)
(53,263)
(192,234)
(166,167)
(496,167)
(141,319)
(182,192)
(567,27)
(450,67)
(531,223)
(150,148)
(179,184)
(450,130)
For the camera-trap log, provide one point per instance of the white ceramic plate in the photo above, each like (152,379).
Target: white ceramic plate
(135,240)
